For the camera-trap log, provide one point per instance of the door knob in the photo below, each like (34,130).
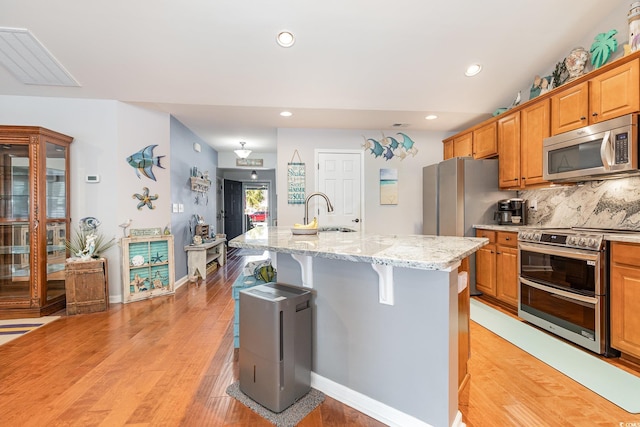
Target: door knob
(355,220)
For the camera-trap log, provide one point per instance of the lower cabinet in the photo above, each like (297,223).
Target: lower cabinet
(625,298)
(497,266)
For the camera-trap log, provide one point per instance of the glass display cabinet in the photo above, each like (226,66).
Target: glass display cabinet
(34,220)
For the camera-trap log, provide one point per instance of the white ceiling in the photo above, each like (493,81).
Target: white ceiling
(356,64)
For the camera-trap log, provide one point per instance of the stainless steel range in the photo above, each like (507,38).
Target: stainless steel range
(564,285)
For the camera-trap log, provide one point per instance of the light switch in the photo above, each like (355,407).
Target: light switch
(175,208)
(180,207)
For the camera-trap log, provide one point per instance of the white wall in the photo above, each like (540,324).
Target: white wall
(403,218)
(105,133)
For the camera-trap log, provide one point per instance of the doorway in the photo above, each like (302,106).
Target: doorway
(233,212)
(256,204)
(340,178)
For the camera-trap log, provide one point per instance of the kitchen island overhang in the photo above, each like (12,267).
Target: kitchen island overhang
(395,362)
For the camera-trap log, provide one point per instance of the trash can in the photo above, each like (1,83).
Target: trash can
(275,344)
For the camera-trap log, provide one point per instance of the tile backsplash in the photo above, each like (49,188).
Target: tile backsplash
(600,204)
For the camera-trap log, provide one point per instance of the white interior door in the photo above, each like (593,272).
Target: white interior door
(340,178)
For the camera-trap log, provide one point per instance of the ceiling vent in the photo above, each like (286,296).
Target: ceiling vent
(29,61)
(400,125)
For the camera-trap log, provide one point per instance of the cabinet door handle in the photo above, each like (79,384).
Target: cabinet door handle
(499,253)
(594,114)
(507,238)
(583,118)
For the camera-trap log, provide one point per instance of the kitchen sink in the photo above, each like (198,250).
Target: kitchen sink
(339,229)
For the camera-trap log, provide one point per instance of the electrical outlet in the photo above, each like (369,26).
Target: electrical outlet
(533,205)
(180,207)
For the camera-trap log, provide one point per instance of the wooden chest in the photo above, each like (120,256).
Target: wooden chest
(87,287)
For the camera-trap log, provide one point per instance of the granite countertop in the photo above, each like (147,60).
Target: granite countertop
(628,236)
(408,251)
(498,227)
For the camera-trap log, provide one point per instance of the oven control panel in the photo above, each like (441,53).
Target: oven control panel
(567,239)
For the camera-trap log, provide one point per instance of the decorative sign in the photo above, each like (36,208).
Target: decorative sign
(145,232)
(295,181)
(249,162)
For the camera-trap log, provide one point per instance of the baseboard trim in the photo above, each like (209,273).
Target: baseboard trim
(369,406)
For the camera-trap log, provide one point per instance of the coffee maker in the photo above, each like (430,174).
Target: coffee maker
(511,212)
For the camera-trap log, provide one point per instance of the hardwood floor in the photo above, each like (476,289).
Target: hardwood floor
(168,361)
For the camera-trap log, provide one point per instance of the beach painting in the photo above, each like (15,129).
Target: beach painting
(388,186)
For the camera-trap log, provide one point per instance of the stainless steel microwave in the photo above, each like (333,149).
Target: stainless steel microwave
(604,150)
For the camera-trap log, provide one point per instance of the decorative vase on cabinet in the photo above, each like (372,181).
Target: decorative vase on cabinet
(34,220)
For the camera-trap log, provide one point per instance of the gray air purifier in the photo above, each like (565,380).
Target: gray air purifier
(275,344)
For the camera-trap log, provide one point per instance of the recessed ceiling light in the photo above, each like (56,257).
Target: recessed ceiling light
(285,39)
(431,117)
(286,114)
(472,70)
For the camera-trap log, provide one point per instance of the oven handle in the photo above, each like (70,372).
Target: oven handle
(569,295)
(565,252)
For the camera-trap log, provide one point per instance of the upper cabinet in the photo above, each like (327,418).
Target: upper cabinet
(459,146)
(485,141)
(447,146)
(517,136)
(509,150)
(535,126)
(613,93)
(480,143)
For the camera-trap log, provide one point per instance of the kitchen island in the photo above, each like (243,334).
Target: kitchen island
(385,325)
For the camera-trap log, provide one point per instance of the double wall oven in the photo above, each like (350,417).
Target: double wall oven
(564,285)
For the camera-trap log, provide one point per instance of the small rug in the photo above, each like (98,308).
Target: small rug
(287,418)
(11,329)
(610,382)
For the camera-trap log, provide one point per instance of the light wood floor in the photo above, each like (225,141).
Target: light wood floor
(168,361)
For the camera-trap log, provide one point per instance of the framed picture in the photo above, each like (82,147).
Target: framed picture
(388,186)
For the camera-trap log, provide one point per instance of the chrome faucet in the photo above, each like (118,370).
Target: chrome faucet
(306,205)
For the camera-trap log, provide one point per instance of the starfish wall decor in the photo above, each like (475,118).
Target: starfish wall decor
(145,199)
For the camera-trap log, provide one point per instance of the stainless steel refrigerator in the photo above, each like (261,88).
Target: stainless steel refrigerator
(458,193)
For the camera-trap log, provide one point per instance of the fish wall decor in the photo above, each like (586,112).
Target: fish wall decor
(89,223)
(143,162)
(390,147)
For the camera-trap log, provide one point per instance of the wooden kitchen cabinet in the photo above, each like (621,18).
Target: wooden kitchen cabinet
(625,298)
(458,146)
(509,151)
(485,141)
(570,109)
(497,266)
(535,126)
(507,268)
(463,145)
(481,143)
(486,264)
(611,94)
(615,92)
(447,147)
